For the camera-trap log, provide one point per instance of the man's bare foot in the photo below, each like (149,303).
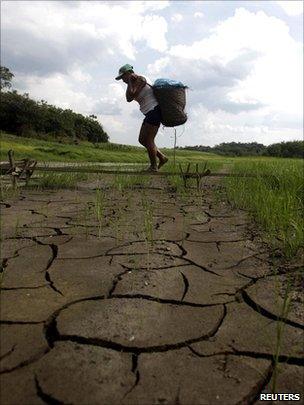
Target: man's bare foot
(162,162)
(151,169)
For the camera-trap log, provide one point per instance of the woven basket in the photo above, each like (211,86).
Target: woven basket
(172,102)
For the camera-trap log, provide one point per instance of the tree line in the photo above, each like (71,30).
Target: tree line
(23,116)
(292,149)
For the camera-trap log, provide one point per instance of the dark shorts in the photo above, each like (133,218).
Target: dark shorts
(154,117)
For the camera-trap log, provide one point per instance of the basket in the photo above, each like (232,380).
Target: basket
(172,102)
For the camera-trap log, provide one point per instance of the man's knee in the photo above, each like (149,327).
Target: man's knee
(142,140)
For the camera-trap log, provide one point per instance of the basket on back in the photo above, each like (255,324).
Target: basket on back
(171,97)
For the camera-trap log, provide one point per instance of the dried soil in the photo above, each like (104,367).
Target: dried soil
(95,312)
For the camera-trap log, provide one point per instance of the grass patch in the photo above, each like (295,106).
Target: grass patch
(49,180)
(49,151)
(124,181)
(274,197)
(7,192)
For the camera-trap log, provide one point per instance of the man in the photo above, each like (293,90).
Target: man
(140,91)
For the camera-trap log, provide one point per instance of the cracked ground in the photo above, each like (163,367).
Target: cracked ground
(141,296)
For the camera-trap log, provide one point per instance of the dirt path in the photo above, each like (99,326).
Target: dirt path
(92,313)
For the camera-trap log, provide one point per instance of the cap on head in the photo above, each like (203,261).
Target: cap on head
(124,69)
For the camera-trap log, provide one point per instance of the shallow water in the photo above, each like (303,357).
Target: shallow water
(102,164)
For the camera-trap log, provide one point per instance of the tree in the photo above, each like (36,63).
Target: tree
(293,149)
(5,78)
(286,149)
(21,115)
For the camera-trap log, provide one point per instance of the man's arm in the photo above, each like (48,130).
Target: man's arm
(135,85)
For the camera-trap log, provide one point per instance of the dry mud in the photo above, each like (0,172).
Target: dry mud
(92,313)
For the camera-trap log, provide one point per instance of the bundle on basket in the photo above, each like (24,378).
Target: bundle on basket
(171,97)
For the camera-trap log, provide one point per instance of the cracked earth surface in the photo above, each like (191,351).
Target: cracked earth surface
(93,313)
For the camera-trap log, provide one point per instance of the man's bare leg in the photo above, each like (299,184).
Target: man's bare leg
(146,138)
(162,159)
(152,152)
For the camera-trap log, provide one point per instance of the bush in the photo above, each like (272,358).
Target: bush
(293,149)
(286,149)
(25,117)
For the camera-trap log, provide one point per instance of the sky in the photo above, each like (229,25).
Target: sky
(242,61)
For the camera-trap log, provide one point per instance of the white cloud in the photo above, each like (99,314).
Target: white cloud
(292,7)
(236,68)
(144,6)
(78,75)
(210,128)
(176,18)
(276,77)
(158,66)
(153,30)
(58,90)
(235,33)
(111,124)
(87,32)
(245,74)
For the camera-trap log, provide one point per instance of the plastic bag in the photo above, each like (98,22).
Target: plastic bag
(168,83)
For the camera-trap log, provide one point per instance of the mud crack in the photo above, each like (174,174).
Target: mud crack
(254,355)
(52,334)
(135,371)
(117,278)
(37,213)
(27,362)
(262,311)
(24,288)
(48,399)
(186,285)
(7,353)
(254,393)
(166,301)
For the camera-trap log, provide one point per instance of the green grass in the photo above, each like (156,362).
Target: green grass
(274,197)
(7,192)
(86,152)
(276,201)
(49,180)
(124,181)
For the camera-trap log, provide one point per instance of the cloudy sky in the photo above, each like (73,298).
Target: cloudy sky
(243,62)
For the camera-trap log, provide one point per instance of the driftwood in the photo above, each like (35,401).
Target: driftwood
(196,175)
(19,169)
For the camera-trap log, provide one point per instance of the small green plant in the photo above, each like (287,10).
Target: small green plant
(7,191)
(99,209)
(123,182)
(148,221)
(49,180)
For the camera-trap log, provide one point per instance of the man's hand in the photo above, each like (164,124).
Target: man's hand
(135,85)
